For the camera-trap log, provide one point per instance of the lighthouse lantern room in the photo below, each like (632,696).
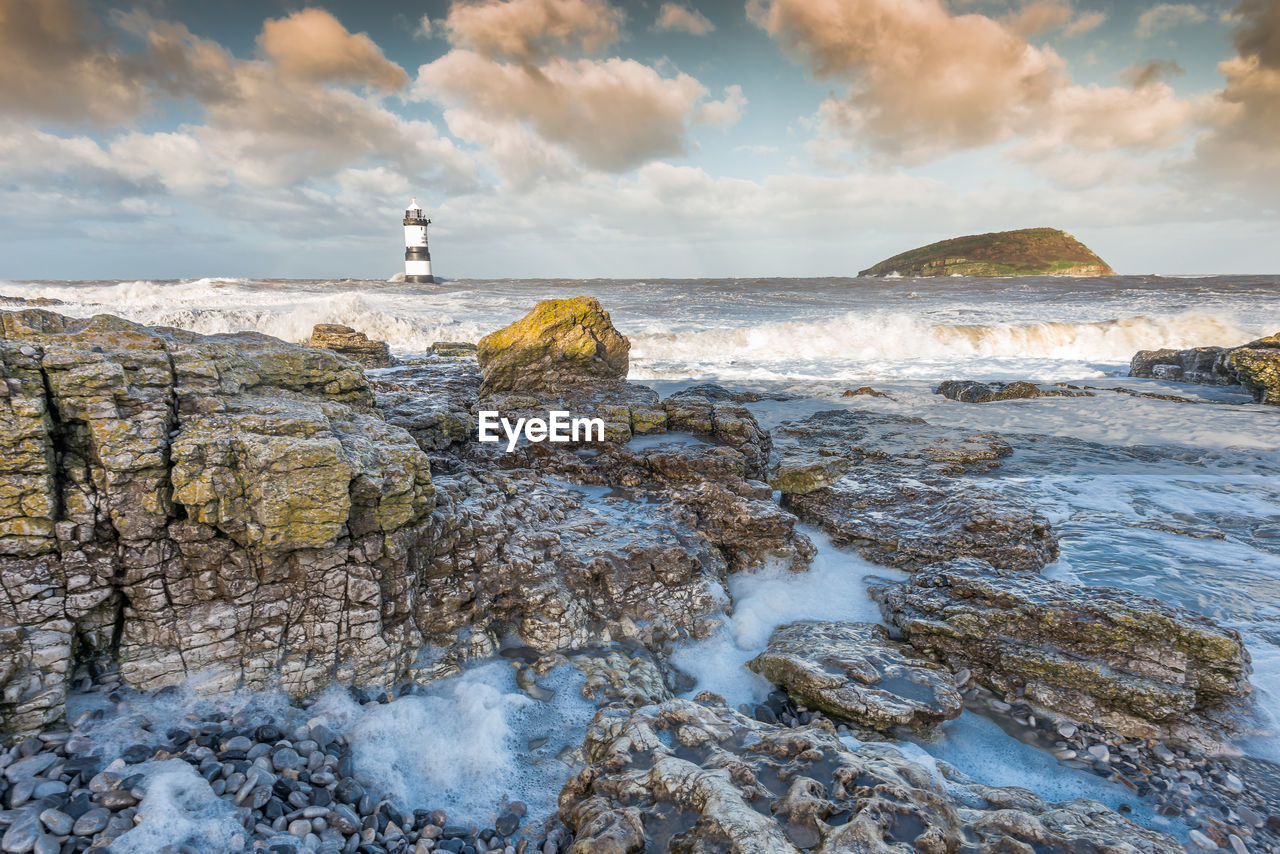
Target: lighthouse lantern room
(417,258)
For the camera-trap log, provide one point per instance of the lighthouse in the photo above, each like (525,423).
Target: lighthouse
(417,258)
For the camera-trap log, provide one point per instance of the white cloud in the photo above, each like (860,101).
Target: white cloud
(613,114)
(673,17)
(924,82)
(1167,16)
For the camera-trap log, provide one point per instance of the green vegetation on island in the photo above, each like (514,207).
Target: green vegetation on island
(1025,252)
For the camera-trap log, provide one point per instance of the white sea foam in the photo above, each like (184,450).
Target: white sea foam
(834,588)
(180,809)
(463,746)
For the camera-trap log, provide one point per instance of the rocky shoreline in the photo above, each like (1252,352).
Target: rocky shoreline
(271,517)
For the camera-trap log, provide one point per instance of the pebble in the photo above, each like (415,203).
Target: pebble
(31,766)
(57,822)
(22,834)
(1100,752)
(116,799)
(1249,817)
(1202,841)
(91,822)
(1237,844)
(349,791)
(1066,730)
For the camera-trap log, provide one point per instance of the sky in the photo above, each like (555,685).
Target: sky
(589,138)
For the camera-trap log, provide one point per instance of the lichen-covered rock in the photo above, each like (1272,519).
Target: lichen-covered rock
(352,344)
(799,472)
(228,504)
(971,391)
(1094,653)
(853,671)
(684,777)
(560,343)
(1256,366)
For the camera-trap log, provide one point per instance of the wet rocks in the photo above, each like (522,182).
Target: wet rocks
(432,398)
(890,487)
(627,409)
(560,343)
(1197,365)
(352,344)
(198,787)
(853,671)
(712,410)
(971,391)
(682,776)
(533,556)
(890,444)
(1255,365)
(909,525)
(1093,653)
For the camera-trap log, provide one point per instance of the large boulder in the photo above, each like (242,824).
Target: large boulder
(853,671)
(685,777)
(1094,653)
(352,344)
(561,343)
(1255,365)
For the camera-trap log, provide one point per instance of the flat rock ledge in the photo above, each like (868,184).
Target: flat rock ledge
(1137,666)
(686,777)
(853,671)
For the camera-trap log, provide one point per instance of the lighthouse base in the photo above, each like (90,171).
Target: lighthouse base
(421,280)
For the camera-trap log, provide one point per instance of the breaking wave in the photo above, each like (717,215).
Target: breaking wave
(858,336)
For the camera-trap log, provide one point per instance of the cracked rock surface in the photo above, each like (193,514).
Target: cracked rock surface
(686,777)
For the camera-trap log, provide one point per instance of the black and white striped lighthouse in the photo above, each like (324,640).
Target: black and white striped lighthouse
(417,258)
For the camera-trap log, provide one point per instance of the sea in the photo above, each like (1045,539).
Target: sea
(1166,499)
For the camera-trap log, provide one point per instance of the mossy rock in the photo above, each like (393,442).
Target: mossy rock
(561,343)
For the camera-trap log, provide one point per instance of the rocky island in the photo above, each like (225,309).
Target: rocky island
(264,515)
(1025,252)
